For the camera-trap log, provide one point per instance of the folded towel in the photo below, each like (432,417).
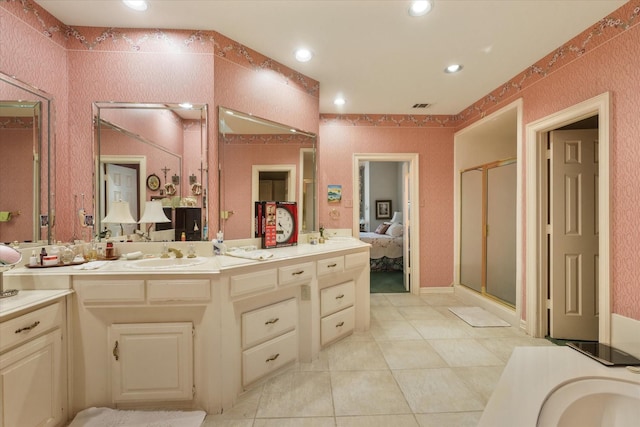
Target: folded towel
(93,265)
(5,216)
(255,255)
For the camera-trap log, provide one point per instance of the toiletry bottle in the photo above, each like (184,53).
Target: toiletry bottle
(43,253)
(220,236)
(183,237)
(34,258)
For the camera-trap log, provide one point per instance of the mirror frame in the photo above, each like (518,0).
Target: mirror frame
(99,107)
(44,178)
(300,182)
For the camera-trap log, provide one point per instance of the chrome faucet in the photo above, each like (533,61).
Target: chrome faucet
(177,252)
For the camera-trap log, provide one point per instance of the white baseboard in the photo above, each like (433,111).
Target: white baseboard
(437,290)
(625,334)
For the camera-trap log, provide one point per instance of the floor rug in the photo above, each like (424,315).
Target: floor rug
(478,317)
(106,417)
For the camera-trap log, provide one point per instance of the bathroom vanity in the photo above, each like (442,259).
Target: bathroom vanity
(196,336)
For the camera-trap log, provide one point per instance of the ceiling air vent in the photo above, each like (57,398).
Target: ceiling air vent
(421,105)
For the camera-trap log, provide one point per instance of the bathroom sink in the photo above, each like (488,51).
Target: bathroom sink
(165,263)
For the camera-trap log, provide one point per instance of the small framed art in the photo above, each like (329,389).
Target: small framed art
(383,209)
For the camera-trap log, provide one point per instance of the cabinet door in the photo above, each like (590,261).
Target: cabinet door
(151,361)
(30,383)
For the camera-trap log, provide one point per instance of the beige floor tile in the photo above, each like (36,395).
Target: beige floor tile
(296,394)
(295,422)
(494,332)
(245,407)
(414,354)
(437,390)
(414,312)
(402,300)
(439,329)
(356,356)
(378,421)
(449,300)
(393,330)
(377,300)
(457,419)
(318,365)
(386,312)
(214,421)
(367,393)
(503,347)
(465,352)
(482,379)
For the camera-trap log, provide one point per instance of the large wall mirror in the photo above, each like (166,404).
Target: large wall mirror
(263,160)
(27,163)
(145,153)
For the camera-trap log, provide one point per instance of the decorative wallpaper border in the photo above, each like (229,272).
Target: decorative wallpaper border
(240,139)
(155,40)
(389,120)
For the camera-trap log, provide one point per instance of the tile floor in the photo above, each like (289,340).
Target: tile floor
(419,365)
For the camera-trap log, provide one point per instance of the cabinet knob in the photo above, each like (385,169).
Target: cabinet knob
(272,358)
(28,328)
(271,321)
(116,351)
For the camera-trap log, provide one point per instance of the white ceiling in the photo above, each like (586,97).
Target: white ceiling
(372,52)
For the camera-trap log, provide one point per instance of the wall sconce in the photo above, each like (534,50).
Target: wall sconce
(397,218)
(119,213)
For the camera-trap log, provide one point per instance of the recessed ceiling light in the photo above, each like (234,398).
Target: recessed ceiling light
(453,68)
(420,8)
(303,55)
(339,101)
(136,4)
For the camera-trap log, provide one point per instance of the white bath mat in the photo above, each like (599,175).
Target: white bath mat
(478,317)
(106,417)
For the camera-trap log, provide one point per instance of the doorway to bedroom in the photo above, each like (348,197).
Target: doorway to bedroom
(383,220)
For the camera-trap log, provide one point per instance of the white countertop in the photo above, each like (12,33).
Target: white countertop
(534,372)
(27,299)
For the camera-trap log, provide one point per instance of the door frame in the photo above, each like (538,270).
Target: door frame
(414,198)
(536,302)
(141,161)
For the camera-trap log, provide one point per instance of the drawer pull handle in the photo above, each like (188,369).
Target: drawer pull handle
(340,296)
(272,358)
(116,352)
(271,321)
(297,273)
(339,325)
(28,328)
(332,265)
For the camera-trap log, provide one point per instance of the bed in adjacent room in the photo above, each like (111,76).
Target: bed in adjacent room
(386,247)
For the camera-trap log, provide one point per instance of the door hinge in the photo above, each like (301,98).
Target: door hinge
(548,304)
(193,390)
(193,331)
(547,228)
(547,154)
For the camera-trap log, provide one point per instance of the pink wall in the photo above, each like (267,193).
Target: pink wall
(433,141)
(132,65)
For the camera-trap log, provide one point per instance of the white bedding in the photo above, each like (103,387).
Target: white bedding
(383,245)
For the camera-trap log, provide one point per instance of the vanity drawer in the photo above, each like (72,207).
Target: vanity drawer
(359,259)
(336,298)
(116,291)
(295,273)
(269,356)
(178,290)
(267,322)
(330,265)
(243,284)
(21,329)
(337,325)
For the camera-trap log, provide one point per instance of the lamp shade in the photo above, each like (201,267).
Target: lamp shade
(397,218)
(119,213)
(153,213)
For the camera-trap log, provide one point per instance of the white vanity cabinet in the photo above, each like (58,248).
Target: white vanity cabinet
(145,340)
(337,312)
(33,384)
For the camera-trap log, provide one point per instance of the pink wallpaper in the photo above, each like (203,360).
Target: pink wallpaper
(340,139)
(82,65)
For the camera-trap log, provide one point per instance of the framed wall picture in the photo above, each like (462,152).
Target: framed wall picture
(383,209)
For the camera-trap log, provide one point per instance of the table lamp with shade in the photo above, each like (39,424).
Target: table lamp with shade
(153,213)
(397,217)
(119,213)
